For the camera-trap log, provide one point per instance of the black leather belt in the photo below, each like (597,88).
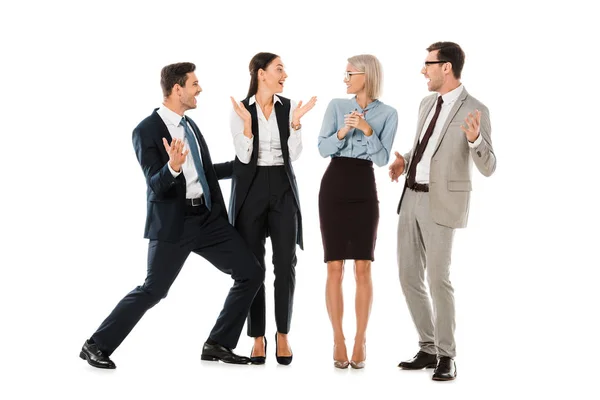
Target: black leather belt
(420,187)
(195,202)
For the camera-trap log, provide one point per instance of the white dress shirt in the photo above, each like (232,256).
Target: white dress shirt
(423,167)
(269,146)
(172,121)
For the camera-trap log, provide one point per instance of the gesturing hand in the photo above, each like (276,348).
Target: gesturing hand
(397,167)
(303,109)
(472,123)
(176,154)
(240,110)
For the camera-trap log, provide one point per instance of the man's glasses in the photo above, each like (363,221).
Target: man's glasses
(348,74)
(428,63)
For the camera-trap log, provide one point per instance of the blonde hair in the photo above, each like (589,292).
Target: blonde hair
(371,66)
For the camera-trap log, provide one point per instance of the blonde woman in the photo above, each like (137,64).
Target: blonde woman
(356,133)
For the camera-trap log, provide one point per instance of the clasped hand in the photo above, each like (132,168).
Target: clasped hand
(357,121)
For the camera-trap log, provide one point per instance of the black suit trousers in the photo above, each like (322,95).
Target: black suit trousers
(270,209)
(208,234)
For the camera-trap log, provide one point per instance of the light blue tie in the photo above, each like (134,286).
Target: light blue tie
(193,144)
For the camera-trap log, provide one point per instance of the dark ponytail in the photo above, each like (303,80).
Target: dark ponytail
(259,61)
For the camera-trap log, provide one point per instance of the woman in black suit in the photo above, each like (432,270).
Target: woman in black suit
(264,200)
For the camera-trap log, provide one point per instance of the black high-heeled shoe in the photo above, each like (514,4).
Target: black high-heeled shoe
(261,359)
(283,360)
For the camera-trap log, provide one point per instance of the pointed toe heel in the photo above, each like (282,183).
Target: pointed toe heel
(283,360)
(260,360)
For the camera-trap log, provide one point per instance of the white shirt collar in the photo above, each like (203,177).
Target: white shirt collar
(252,100)
(452,95)
(170,115)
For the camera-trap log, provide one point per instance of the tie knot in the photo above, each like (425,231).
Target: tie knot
(182,122)
(440,101)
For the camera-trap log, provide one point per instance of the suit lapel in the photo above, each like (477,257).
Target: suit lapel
(422,118)
(282,113)
(163,130)
(453,112)
(252,110)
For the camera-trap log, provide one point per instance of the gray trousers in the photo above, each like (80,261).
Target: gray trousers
(424,246)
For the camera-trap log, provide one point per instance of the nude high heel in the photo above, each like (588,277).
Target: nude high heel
(359,364)
(341,364)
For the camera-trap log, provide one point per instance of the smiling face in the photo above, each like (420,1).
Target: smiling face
(187,94)
(273,77)
(355,83)
(436,74)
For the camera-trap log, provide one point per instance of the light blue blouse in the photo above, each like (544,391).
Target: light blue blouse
(382,118)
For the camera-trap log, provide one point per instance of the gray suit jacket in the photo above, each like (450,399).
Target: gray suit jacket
(452,160)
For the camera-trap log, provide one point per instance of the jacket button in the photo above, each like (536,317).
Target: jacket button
(479,153)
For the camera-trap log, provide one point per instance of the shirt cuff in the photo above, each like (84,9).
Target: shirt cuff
(339,142)
(248,140)
(175,174)
(476,143)
(296,134)
(245,149)
(374,142)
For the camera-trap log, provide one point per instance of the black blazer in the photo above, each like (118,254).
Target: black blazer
(165,194)
(243,174)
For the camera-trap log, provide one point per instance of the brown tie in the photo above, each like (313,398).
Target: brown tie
(422,145)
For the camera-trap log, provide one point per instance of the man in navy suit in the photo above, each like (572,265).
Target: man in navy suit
(186,213)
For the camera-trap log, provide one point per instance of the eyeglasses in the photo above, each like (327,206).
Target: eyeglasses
(348,74)
(428,63)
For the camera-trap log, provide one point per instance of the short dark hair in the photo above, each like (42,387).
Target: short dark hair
(259,61)
(174,74)
(451,52)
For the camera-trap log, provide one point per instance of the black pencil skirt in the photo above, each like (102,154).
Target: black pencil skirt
(349,210)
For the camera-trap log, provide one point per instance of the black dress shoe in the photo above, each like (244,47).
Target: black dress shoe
(420,361)
(260,359)
(94,356)
(445,370)
(216,352)
(283,360)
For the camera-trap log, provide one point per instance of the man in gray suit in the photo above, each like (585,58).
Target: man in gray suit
(453,133)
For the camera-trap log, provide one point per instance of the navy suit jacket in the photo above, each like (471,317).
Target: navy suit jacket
(166,194)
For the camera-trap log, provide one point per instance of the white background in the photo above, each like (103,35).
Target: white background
(77,77)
